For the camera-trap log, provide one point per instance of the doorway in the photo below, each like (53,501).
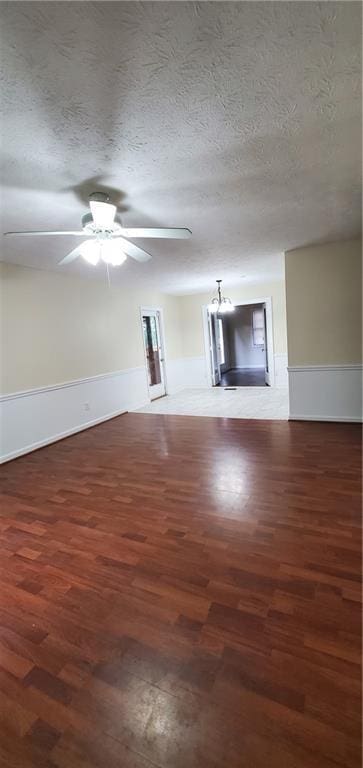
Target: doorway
(239,345)
(152,330)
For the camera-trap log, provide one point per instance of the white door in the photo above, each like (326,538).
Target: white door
(154,352)
(213,349)
(267,371)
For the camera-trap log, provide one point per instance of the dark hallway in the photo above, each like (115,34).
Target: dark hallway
(243,377)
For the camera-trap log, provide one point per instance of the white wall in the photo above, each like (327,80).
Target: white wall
(239,341)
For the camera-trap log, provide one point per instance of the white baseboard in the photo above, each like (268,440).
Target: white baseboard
(37,417)
(325,393)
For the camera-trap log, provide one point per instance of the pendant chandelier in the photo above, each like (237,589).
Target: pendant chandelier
(220,305)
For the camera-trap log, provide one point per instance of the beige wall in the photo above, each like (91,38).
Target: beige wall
(57,328)
(191,313)
(324,304)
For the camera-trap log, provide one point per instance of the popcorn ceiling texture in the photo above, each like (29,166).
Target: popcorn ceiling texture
(239,120)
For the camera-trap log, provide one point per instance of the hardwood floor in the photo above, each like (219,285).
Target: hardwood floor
(243,377)
(182,592)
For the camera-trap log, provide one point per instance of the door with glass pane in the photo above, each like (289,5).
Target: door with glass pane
(153,344)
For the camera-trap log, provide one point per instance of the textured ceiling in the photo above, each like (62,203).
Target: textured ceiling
(238,120)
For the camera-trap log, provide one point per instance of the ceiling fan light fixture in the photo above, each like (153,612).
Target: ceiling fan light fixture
(112,254)
(90,251)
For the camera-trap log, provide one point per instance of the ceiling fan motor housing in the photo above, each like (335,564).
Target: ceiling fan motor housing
(99,197)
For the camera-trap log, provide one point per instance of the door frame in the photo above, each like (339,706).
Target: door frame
(159,310)
(270,340)
(213,351)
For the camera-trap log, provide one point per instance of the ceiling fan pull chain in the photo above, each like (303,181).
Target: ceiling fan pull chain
(108,276)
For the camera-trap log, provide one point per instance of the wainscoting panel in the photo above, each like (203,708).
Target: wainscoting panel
(186,372)
(37,417)
(326,392)
(40,416)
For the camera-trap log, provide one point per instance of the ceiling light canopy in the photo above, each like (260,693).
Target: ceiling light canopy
(220,305)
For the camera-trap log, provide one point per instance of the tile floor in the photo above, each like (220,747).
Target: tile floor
(242,403)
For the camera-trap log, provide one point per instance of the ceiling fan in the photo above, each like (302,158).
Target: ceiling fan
(108,239)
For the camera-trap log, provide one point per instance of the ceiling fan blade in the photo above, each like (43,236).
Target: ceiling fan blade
(175,233)
(133,250)
(70,232)
(72,256)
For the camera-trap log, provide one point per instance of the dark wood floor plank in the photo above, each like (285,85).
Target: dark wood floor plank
(183,592)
